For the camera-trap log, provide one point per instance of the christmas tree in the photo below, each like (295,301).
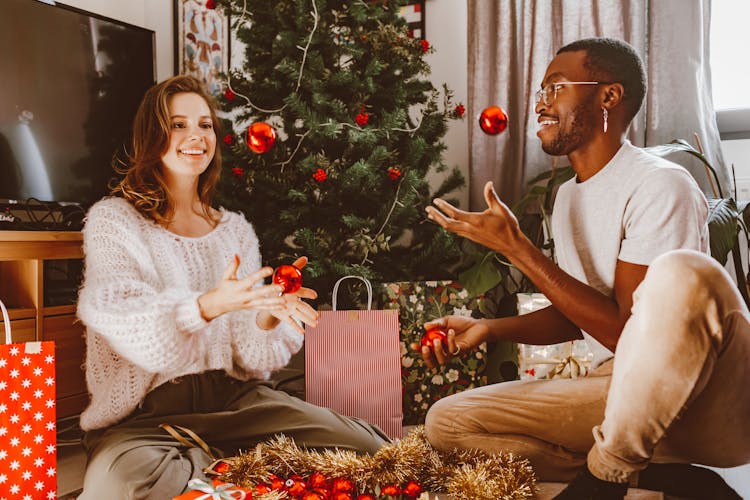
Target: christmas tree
(359,127)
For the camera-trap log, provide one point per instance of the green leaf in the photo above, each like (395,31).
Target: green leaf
(722,226)
(482,277)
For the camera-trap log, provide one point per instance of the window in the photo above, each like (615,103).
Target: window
(730,71)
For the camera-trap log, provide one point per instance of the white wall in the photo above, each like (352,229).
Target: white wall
(449,65)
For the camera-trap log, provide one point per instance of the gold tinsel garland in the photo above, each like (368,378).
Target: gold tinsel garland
(459,473)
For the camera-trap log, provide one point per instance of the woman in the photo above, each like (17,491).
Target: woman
(179,327)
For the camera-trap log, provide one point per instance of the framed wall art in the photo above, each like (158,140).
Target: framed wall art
(202,41)
(414,14)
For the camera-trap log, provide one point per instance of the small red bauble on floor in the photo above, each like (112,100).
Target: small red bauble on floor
(289,277)
(493,120)
(432,335)
(261,137)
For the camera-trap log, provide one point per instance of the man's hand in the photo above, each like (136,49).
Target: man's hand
(464,334)
(496,227)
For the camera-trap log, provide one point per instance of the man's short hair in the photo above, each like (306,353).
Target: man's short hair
(611,60)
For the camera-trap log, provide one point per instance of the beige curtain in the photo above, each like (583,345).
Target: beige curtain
(511,42)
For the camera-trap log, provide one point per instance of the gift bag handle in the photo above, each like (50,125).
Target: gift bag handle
(367,285)
(6,322)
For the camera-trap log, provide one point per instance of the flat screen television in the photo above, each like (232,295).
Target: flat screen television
(70,84)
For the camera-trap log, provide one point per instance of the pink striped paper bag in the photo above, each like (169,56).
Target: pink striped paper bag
(353,364)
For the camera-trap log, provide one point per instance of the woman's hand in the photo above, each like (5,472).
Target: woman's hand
(463,334)
(232,294)
(293,310)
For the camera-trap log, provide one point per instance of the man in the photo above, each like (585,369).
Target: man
(682,334)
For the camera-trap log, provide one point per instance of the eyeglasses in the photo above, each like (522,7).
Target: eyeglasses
(548,93)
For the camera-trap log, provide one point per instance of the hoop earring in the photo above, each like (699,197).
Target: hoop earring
(605,113)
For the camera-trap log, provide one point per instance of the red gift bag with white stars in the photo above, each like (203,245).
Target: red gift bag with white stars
(28,459)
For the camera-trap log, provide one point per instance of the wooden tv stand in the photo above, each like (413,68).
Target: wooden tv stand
(22,288)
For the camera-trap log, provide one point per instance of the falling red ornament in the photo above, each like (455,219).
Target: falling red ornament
(260,137)
(390,489)
(228,139)
(288,277)
(362,118)
(342,484)
(229,95)
(493,120)
(239,172)
(394,173)
(432,335)
(425,46)
(412,489)
(459,110)
(295,486)
(320,175)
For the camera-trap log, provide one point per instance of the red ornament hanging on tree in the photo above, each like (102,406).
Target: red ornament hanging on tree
(288,277)
(394,173)
(362,118)
(229,95)
(261,137)
(459,110)
(432,335)
(320,175)
(237,171)
(493,120)
(228,139)
(425,46)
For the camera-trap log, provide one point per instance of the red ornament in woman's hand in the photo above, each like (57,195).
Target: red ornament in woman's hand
(260,137)
(432,335)
(288,277)
(493,120)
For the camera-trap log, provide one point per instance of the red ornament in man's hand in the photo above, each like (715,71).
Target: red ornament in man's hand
(432,335)
(261,137)
(289,277)
(493,120)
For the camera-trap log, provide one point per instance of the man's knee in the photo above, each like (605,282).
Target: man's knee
(440,425)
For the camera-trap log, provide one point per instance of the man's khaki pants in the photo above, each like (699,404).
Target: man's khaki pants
(677,391)
(138,460)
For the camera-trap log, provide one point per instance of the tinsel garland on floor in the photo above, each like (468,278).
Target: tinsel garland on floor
(460,473)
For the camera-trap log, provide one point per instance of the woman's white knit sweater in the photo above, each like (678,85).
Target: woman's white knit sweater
(139,303)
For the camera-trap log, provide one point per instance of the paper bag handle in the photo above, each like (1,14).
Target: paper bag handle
(367,285)
(6,322)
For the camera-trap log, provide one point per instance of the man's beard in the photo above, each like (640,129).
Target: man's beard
(578,133)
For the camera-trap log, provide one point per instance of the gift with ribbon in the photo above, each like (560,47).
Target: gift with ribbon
(564,360)
(215,490)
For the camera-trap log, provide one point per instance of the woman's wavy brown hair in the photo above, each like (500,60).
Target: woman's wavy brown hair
(143,184)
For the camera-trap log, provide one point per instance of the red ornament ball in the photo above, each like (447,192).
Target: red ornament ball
(260,137)
(262,489)
(342,484)
(340,495)
(362,119)
(391,489)
(425,46)
(228,139)
(276,482)
(239,172)
(365,496)
(412,489)
(459,110)
(432,335)
(295,486)
(493,120)
(229,95)
(394,173)
(289,277)
(210,4)
(314,495)
(317,481)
